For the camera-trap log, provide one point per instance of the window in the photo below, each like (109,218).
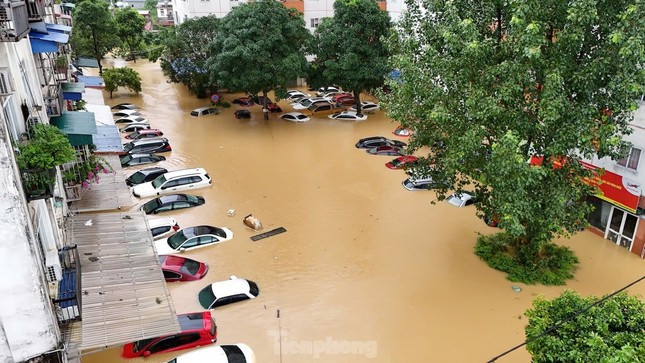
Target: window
(169,275)
(315,22)
(5,86)
(180,205)
(191,242)
(204,240)
(159,230)
(632,159)
(195,179)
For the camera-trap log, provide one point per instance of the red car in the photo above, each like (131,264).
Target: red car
(243,101)
(273,107)
(144,134)
(402,161)
(176,268)
(338,97)
(197,329)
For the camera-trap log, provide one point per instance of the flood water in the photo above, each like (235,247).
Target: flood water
(367,271)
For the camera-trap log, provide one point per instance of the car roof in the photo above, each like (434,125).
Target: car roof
(149,131)
(193,321)
(294,114)
(172,198)
(140,155)
(190,232)
(373,138)
(149,141)
(184,172)
(215,353)
(463,196)
(202,109)
(174,261)
(230,287)
(158,222)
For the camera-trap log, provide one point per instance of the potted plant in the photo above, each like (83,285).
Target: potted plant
(61,64)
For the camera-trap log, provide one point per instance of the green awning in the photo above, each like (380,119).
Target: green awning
(78,126)
(86,62)
(76,87)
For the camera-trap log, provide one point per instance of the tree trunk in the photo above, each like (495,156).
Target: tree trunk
(100,66)
(357,99)
(265,110)
(111,94)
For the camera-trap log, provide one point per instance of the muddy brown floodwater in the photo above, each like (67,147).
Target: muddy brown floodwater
(367,271)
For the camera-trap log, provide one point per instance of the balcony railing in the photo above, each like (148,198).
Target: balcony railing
(38,183)
(14,21)
(36,9)
(53,98)
(68,304)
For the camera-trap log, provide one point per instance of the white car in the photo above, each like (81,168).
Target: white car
(233,353)
(304,103)
(191,238)
(126,113)
(125,106)
(135,126)
(322,90)
(162,227)
(293,95)
(227,292)
(172,182)
(131,119)
(295,117)
(367,107)
(462,199)
(204,111)
(348,116)
(329,95)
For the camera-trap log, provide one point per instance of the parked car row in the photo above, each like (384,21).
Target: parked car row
(198,328)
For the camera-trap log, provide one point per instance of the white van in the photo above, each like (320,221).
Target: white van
(173,181)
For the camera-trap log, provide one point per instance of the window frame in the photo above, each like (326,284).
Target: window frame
(628,159)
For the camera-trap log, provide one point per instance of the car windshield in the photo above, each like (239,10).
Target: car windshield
(126,159)
(137,177)
(233,353)
(151,205)
(176,240)
(206,297)
(191,266)
(194,113)
(134,135)
(192,198)
(253,288)
(158,181)
(455,200)
(396,162)
(141,344)
(306,102)
(128,147)
(301,117)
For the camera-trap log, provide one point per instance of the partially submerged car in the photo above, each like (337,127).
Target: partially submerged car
(367,107)
(174,181)
(192,238)
(348,116)
(230,353)
(170,202)
(243,101)
(144,134)
(126,113)
(376,141)
(144,175)
(227,292)
(135,126)
(197,329)
(125,106)
(131,119)
(240,114)
(462,199)
(402,131)
(140,159)
(178,268)
(295,117)
(162,227)
(385,150)
(155,145)
(402,162)
(204,111)
(414,184)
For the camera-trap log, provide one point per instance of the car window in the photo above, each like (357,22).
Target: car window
(192,242)
(204,240)
(187,338)
(185,180)
(180,205)
(170,184)
(469,202)
(164,208)
(169,275)
(239,297)
(222,301)
(195,179)
(159,230)
(163,344)
(194,113)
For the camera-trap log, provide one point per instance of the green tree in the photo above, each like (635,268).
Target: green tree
(122,77)
(95,32)
(609,332)
(260,47)
(151,5)
(487,87)
(349,47)
(184,53)
(130,27)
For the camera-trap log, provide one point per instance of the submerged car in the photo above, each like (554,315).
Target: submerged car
(177,268)
(204,111)
(227,292)
(414,184)
(135,126)
(197,329)
(376,141)
(323,90)
(243,101)
(385,150)
(172,202)
(230,353)
(402,131)
(162,227)
(366,107)
(348,116)
(295,117)
(192,238)
(462,199)
(174,181)
(240,114)
(293,95)
(125,106)
(402,162)
(154,145)
(144,175)
(305,103)
(144,134)
(140,159)
(131,120)
(126,113)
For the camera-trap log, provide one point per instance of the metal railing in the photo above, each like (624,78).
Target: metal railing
(53,97)
(14,20)
(36,9)
(68,304)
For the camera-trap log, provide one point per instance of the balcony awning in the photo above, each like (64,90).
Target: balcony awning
(86,62)
(125,297)
(91,81)
(46,42)
(73,90)
(78,126)
(58,28)
(68,5)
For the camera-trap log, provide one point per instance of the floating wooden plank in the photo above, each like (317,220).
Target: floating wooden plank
(270,233)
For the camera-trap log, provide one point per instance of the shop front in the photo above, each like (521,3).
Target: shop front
(616,215)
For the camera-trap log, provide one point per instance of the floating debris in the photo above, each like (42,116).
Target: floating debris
(516,288)
(252,222)
(230,212)
(270,233)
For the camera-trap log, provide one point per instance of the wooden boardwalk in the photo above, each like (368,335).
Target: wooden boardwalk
(109,194)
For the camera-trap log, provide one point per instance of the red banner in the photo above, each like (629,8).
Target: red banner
(615,189)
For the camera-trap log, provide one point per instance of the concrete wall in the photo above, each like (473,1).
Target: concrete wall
(188,9)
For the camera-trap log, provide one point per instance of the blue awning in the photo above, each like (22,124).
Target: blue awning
(58,28)
(51,36)
(91,81)
(43,46)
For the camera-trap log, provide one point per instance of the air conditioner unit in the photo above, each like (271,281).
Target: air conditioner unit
(52,263)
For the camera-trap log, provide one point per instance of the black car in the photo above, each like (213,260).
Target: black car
(144,175)
(172,202)
(140,159)
(124,106)
(376,141)
(156,145)
(260,100)
(242,114)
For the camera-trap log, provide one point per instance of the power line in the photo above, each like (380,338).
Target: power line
(556,326)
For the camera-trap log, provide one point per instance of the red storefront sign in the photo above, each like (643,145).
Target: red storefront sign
(614,188)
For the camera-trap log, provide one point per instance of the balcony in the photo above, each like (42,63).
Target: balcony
(53,98)
(38,183)
(36,9)
(14,23)
(68,303)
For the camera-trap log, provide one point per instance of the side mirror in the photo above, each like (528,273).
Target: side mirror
(182,249)
(146,353)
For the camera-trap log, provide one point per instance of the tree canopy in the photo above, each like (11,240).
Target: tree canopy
(349,48)
(95,32)
(184,53)
(487,86)
(122,77)
(130,27)
(260,48)
(609,332)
